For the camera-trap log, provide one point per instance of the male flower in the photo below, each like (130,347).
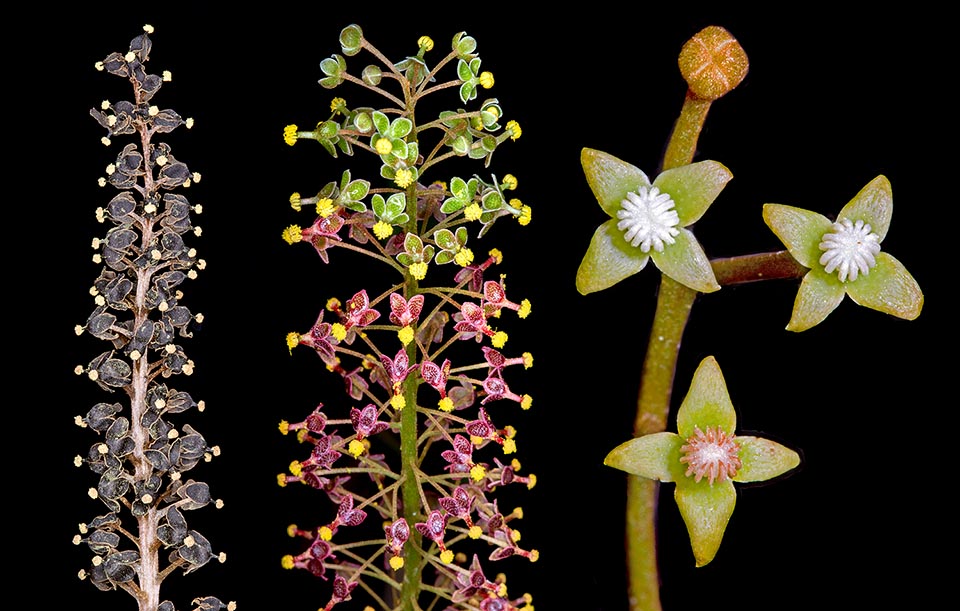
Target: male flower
(845,258)
(648,221)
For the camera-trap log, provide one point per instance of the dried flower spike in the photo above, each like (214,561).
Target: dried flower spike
(139,309)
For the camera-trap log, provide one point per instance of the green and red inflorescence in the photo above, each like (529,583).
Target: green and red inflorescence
(413,457)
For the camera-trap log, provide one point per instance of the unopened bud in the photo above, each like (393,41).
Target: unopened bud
(713,63)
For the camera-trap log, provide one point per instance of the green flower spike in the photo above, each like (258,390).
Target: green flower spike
(648,221)
(844,258)
(704,459)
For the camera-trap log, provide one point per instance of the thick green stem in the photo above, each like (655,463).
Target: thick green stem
(674,303)
(409,434)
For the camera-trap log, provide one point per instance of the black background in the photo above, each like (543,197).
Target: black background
(830,102)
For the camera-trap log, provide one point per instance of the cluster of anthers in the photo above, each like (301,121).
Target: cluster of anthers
(851,249)
(648,219)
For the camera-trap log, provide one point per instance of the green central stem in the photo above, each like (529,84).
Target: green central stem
(409,433)
(674,303)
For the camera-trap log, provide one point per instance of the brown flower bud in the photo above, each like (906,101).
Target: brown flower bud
(713,63)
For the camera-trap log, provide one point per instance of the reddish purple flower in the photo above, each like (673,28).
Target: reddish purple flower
(319,551)
(473,582)
(355,383)
(460,457)
(433,528)
(472,322)
(316,421)
(358,312)
(323,456)
(321,232)
(341,591)
(320,340)
(397,369)
(473,274)
(436,375)
(403,312)
(459,505)
(347,515)
(496,388)
(397,534)
(497,361)
(365,421)
(484,428)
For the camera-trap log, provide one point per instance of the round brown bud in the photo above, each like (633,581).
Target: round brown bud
(713,63)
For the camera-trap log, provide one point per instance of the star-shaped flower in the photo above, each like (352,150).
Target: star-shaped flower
(704,459)
(648,221)
(844,257)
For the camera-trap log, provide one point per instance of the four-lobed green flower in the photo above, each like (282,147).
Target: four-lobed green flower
(648,221)
(704,458)
(845,258)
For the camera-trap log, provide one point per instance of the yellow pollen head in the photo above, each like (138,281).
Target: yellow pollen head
(290,134)
(398,402)
(526,402)
(396,563)
(464,257)
(292,234)
(486,80)
(446,556)
(475,532)
(478,472)
(295,201)
(406,335)
(382,230)
(383,146)
(509,182)
(325,533)
(403,178)
(446,404)
(524,310)
(499,339)
(293,339)
(509,446)
(472,212)
(425,43)
(418,270)
(338,331)
(356,448)
(287,562)
(325,207)
(497,256)
(295,468)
